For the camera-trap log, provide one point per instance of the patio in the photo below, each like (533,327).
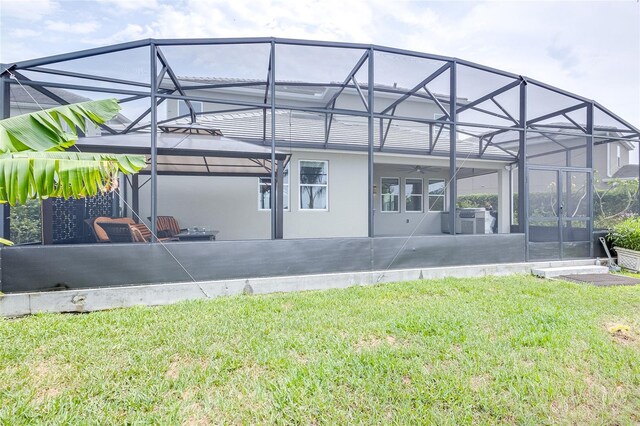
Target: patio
(354,154)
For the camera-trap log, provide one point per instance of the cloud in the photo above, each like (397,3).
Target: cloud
(72,28)
(547,41)
(25,33)
(33,11)
(130,33)
(130,5)
(566,55)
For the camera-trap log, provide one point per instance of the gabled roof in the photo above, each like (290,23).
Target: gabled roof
(630,171)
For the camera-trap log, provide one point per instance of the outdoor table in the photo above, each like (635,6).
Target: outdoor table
(197,235)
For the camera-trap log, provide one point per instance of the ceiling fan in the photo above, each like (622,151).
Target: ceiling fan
(415,169)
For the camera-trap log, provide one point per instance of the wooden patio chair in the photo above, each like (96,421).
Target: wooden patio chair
(167,226)
(142,234)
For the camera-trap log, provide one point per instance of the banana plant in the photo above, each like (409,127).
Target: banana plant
(34,163)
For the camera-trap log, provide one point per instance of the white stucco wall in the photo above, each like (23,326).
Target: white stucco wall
(230,204)
(403,222)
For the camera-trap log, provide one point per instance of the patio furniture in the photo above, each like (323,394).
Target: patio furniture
(197,235)
(97,230)
(142,234)
(117,232)
(167,226)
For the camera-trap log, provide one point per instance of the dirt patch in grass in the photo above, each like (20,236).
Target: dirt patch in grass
(173,371)
(47,378)
(479,382)
(373,342)
(197,416)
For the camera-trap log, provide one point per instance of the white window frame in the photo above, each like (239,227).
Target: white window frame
(444,200)
(286,183)
(382,210)
(421,195)
(618,155)
(300,185)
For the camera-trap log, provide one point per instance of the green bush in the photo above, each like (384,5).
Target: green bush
(25,223)
(626,234)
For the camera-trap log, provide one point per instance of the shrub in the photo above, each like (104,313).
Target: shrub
(26,223)
(626,234)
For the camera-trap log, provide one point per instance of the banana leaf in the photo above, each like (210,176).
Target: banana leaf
(25,175)
(53,129)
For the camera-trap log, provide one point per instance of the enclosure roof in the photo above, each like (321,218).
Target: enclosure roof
(414,98)
(190,154)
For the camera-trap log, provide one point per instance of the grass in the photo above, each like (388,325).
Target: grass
(511,350)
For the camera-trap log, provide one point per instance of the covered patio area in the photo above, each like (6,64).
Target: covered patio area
(315,156)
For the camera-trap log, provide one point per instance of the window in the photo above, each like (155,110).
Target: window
(436,195)
(618,154)
(390,194)
(413,195)
(264,191)
(314,185)
(183,109)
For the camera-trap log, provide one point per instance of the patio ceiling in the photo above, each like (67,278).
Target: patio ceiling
(191,154)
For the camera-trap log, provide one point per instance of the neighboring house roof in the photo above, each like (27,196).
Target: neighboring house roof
(630,171)
(318,93)
(27,95)
(301,127)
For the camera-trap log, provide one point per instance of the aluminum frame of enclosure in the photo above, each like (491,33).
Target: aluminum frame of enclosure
(520,120)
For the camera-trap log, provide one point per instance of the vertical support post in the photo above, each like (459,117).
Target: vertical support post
(522,159)
(5,112)
(591,188)
(510,198)
(115,200)
(154,143)
(504,206)
(135,198)
(280,199)
(453,184)
(47,221)
(125,194)
(370,97)
(272,81)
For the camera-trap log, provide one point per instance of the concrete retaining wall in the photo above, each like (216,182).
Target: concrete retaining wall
(87,300)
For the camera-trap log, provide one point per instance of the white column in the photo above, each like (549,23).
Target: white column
(504,206)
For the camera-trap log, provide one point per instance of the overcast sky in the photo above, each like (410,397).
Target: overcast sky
(589,48)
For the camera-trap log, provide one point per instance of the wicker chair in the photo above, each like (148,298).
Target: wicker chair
(97,230)
(117,232)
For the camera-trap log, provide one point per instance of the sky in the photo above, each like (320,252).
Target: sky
(586,47)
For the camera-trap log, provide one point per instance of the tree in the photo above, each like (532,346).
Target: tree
(34,163)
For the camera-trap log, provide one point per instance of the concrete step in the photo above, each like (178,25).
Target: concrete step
(569,270)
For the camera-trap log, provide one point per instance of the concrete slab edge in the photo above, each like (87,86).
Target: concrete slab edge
(96,299)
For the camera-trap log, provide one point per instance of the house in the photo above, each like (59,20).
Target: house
(312,157)
(610,161)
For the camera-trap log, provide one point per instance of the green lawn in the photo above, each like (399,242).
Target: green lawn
(514,350)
